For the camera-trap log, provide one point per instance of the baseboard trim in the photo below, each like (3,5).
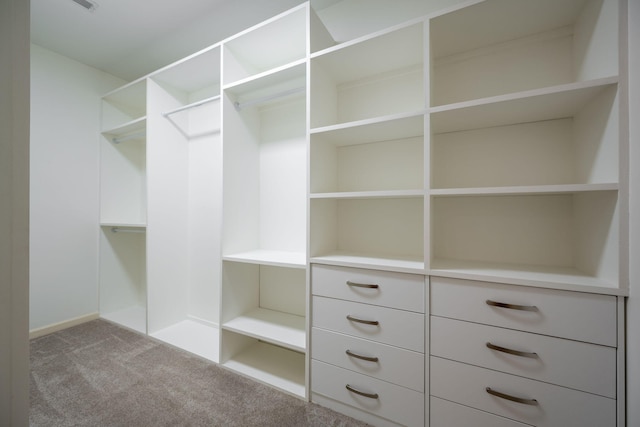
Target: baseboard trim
(46,330)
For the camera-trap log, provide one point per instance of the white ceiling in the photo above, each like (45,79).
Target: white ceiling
(131,38)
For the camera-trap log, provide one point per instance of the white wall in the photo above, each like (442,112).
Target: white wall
(65,117)
(633,303)
(14,208)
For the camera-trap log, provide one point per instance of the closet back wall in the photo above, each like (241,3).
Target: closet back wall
(64,179)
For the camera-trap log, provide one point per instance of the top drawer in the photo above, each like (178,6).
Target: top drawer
(395,290)
(573,315)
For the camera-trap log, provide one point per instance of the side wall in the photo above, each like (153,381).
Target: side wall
(633,303)
(65,118)
(14,212)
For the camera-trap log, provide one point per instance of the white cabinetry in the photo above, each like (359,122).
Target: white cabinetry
(368,340)
(539,356)
(249,191)
(264,284)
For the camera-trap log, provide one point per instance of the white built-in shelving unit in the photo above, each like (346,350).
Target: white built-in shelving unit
(447,142)
(264,283)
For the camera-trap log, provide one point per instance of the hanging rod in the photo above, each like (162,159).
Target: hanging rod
(240,105)
(195,104)
(119,139)
(126,230)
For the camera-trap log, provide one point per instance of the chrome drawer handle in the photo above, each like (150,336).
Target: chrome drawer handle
(362,393)
(359,356)
(530,355)
(511,398)
(511,306)
(362,285)
(366,322)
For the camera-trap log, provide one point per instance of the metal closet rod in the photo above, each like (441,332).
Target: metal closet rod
(119,139)
(126,230)
(240,105)
(195,104)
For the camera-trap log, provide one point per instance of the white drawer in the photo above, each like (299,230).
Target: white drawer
(556,406)
(397,290)
(392,364)
(443,413)
(395,403)
(395,327)
(574,364)
(574,315)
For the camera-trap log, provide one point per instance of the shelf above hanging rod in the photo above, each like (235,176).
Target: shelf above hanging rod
(119,139)
(240,105)
(193,105)
(126,230)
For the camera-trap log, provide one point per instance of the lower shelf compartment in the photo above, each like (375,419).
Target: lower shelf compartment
(134,317)
(194,337)
(271,365)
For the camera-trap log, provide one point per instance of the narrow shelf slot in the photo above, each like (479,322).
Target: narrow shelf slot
(283,329)
(271,365)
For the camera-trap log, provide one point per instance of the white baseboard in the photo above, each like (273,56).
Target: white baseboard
(46,330)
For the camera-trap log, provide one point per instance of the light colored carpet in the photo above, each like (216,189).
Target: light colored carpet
(99,374)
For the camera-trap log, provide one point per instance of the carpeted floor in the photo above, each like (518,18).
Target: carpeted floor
(98,374)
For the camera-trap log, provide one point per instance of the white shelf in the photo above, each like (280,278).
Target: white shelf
(131,317)
(132,126)
(371,261)
(524,190)
(390,194)
(270,257)
(283,329)
(194,337)
(193,73)
(569,279)
(528,106)
(395,126)
(271,365)
(122,224)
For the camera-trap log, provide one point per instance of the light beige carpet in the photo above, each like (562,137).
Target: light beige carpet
(99,374)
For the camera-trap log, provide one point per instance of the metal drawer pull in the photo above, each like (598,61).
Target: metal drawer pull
(512,306)
(362,285)
(362,393)
(359,356)
(511,398)
(530,355)
(366,322)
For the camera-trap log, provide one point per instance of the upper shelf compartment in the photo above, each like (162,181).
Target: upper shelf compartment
(518,45)
(251,52)
(376,76)
(124,106)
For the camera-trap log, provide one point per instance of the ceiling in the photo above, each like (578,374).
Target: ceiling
(131,38)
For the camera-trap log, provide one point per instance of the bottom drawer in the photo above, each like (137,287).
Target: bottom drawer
(448,414)
(541,404)
(386,400)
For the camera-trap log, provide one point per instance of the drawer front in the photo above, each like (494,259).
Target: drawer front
(443,413)
(394,327)
(396,290)
(574,364)
(389,401)
(391,364)
(574,315)
(554,406)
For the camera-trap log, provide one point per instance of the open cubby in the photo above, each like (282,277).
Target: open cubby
(565,238)
(516,45)
(379,232)
(376,77)
(124,105)
(248,54)
(379,156)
